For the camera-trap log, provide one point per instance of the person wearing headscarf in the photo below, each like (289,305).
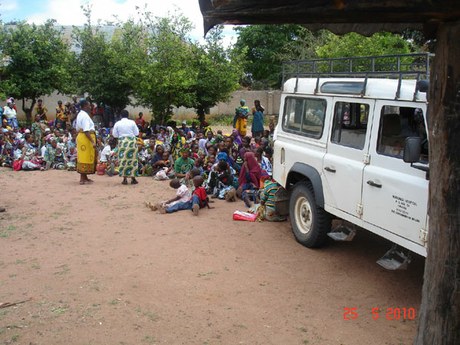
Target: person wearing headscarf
(86,143)
(9,112)
(257,128)
(237,139)
(240,121)
(127,131)
(250,170)
(249,178)
(202,146)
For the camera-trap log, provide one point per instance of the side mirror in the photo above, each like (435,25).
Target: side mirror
(412,149)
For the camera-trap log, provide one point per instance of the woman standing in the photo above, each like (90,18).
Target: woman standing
(257,128)
(127,131)
(9,112)
(86,143)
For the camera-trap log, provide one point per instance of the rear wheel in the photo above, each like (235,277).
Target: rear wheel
(310,223)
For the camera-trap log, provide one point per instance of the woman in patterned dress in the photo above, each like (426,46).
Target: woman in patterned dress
(127,131)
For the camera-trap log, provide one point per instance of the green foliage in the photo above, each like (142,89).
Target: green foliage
(104,67)
(37,61)
(353,44)
(165,75)
(219,72)
(267,46)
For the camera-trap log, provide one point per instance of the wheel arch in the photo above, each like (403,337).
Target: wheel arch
(304,172)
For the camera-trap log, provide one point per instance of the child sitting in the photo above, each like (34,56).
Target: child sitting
(71,159)
(199,197)
(182,200)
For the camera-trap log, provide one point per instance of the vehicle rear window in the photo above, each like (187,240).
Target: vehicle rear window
(304,116)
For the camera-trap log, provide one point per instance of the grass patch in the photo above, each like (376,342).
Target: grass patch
(63,269)
(114,301)
(207,274)
(59,310)
(7,231)
(152,316)
(149,339)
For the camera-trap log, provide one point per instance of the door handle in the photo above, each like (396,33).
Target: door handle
(330,169)
(373,184)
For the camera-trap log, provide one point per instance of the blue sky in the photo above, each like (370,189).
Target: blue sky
(68,12)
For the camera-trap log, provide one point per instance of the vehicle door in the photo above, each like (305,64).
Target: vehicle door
(347,154)
(395,195)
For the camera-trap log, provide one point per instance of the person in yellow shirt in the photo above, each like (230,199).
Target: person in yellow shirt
(240,121)
(61,116)
(41,110)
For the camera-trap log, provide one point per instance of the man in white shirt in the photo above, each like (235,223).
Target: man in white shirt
(127,131)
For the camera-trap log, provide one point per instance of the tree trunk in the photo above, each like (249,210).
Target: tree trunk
(439,317)
(28,111)
(200,111)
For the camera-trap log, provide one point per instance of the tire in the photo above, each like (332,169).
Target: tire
(310,223)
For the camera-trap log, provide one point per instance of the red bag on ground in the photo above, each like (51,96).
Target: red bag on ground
(240,215)
(17,164)
(100,168)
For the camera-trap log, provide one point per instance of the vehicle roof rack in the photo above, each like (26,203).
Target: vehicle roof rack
(398,66)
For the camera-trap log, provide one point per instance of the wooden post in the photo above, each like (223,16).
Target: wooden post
(439,316)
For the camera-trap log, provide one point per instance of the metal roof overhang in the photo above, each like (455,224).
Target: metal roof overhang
(339,16)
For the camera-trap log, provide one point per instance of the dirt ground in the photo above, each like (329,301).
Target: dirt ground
(93,265)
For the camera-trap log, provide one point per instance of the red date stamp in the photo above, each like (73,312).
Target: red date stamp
(390,314)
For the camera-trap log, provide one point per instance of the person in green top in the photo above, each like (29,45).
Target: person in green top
(267,200)
(183,164)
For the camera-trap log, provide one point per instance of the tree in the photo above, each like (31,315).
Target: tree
(439,318)
(166,75)
(219,72)
(104,67)
(36,62)
(353,44)
(268,46)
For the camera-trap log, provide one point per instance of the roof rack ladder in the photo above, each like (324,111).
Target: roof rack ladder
(363,91)
(398,91)
(296,77)
(317,79)
(283,76)
(416,87)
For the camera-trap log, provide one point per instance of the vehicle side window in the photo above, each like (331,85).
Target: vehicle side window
(350,124)
(398,123)
(304,116)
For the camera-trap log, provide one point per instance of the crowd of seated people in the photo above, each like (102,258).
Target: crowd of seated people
(226,162)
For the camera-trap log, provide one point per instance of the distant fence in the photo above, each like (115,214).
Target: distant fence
(269,99)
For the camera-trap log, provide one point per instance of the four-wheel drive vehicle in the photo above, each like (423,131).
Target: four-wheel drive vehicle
(340,147)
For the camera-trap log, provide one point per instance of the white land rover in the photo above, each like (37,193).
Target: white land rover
(351,143)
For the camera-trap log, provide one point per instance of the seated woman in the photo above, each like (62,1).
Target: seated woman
(28,154)
(249,179)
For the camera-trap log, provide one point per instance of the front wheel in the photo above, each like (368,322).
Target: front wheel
(310,223)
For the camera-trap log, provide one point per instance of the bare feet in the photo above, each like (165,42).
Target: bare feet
(196,209)
(162,209)
(152,207)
